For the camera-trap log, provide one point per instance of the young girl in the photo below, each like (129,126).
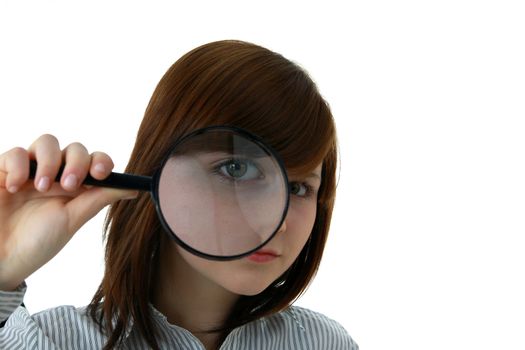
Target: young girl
(155,294)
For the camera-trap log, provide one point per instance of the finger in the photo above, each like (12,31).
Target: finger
(85,206)
(14,165)
(46,151)
(77,162)
(101,165)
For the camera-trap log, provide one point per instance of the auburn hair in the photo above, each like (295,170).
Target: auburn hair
(221,83)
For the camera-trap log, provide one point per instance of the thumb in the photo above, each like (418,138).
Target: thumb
(85,206)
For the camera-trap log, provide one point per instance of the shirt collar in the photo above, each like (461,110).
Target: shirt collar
(158,317)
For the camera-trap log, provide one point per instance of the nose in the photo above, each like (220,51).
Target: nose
(282,228)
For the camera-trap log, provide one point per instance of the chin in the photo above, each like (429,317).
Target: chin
(250,292)
(247,286)
(236,276)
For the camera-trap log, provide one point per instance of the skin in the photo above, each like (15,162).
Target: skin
(38,217)
(197,294)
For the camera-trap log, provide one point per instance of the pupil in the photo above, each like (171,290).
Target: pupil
(237,169)
(295,187)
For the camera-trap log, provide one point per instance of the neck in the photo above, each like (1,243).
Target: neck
(187,298)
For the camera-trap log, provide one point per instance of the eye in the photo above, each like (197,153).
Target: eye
(300,189)
(236,169)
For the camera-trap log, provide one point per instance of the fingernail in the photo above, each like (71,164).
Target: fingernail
(100,168)
(43,183)
(13,189)
(71,181)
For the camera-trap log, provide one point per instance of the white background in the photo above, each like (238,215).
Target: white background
(427,245)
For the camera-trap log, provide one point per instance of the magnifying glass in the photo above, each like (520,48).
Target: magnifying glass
(221,192)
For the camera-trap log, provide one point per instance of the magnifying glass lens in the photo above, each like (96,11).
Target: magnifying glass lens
(222,193)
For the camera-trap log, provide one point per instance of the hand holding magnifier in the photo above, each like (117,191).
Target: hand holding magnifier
(221,192)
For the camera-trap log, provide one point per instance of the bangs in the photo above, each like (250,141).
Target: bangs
(300,136)
(294,120)
(250,87)
(270,96)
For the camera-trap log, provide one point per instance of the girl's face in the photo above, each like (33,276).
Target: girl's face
(251,275)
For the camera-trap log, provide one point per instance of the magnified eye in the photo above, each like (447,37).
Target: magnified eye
(237,169)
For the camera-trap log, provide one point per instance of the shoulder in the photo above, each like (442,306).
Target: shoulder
(62,314)
(301,328)
(67,321)
(325,330)
(63,327)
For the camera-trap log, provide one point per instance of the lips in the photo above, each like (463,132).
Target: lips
(266,252)
(263,255)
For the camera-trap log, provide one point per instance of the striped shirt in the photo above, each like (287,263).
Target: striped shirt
(68,327)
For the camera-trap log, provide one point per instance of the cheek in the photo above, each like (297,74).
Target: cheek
(300,221)
(244,278)
(236,276)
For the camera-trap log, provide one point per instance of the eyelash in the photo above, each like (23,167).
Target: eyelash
(217,168)
(309,190)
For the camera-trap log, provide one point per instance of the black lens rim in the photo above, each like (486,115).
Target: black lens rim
(244,133)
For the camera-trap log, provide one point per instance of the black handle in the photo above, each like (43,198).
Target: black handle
(114,180)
